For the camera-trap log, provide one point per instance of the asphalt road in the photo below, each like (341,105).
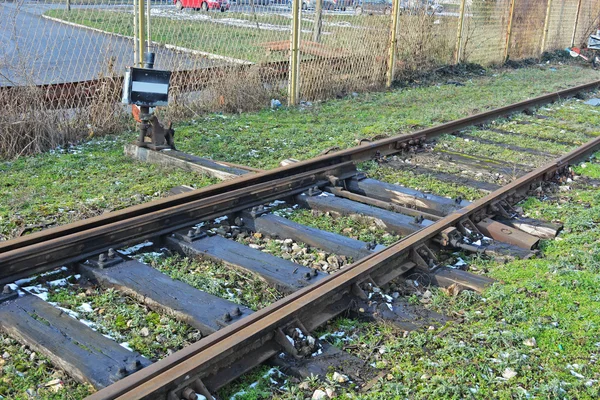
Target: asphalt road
(35,50)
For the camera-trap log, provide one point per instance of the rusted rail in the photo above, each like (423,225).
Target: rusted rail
(252,340)
(57,246)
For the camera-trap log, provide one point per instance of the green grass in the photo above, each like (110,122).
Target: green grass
(84,181)
(233,41)
(360,229)
(124,319)
(522,141)
(424,183)
(214,278)
(22,372)
(264,138)
(539,321)
(56,188)
(495,152)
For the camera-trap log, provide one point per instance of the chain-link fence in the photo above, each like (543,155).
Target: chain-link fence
(62,61)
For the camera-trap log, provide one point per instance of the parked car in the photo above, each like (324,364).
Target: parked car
(305,4)
(203,5)
(373,7)
(421,6)
(331,5)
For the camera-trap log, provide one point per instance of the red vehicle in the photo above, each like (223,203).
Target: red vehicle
(203,5)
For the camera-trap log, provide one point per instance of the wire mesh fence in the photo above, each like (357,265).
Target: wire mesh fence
(62,61)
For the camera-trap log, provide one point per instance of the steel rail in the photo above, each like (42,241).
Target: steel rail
(214,352)
(45,247)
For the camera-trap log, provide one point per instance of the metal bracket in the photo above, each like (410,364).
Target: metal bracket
(191,391)
(468,228)
(313,191)
(161,138)
(498,208)
(261,210)
(424,257)
(190,235)
(105,260)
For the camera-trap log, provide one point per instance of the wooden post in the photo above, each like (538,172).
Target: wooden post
(511,15)
(546,27)
(141,32)
(293,89)
(393,41)
(576,23)
(461,21)
(318,21)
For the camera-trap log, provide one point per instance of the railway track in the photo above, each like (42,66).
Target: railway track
(236,339)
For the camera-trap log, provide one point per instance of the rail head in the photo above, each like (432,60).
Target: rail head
(212,353)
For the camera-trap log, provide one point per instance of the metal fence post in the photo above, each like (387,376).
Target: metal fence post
(391,68)
(141,32)
(68,5)
(135,33)
(576,23)
(461,21)
(318,21)
(546,27)
(511,15)
(293,89)
(148,40)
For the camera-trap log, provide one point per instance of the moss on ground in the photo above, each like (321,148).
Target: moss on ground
(533,334)
(264,138)
(424,183)
(484,150)
(83,181)
(86,180)
(215,278)
(153,335)
(530,142)
(360,229)
(24,374)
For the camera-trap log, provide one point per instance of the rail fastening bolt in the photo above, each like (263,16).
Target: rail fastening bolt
(122,371)
(190,233)
(237,312)
(111,253)
(189,394)
(134,365)
(102,257)
(227,317)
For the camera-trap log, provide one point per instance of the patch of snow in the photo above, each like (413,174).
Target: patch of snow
(134,249)
(290,340)
(126,345)
(85,307)
(220,219)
